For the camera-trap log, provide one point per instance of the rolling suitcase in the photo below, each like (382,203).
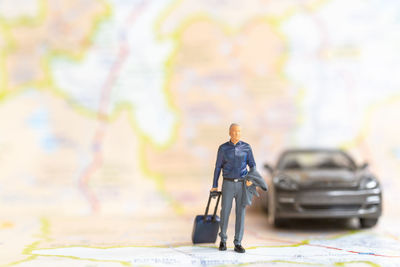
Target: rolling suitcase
(205,228)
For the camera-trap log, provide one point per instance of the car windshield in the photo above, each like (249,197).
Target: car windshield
(315,160)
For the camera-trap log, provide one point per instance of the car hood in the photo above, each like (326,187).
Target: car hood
(340,178)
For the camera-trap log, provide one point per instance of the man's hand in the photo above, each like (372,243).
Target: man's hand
(248,183)
(214,189)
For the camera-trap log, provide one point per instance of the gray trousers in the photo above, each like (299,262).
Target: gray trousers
(231,190)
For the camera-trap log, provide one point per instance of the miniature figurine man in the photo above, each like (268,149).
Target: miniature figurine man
(233,158)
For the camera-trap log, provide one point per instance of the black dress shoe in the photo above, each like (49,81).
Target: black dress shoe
(222,246)
(240,249)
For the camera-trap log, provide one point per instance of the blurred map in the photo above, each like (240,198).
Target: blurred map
(111,113)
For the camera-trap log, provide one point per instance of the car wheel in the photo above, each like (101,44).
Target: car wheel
(368,222)
(278,223)
(265,205)
(265,209)
(271,212)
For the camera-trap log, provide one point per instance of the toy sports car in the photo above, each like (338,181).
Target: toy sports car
(322,183)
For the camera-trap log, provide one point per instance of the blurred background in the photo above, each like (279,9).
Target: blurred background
(115,109)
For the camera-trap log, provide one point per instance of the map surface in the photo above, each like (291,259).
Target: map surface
(111,113)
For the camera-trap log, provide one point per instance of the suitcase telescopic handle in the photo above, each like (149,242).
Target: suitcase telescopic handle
(212,194)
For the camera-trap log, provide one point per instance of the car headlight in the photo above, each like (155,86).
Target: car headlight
(368,182)
(285,182)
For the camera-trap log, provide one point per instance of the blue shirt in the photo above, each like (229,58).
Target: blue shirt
(233,160)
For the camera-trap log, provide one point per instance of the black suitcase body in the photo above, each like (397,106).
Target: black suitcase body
(205,228)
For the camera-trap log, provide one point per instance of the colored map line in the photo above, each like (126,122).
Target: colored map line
(344,263)
(99,135)
(122,56)
(307,243)
(90,169)
(392,236)
(290,242)
(176,248)
(244,264)
(354,252)
(103,117)
(43,236)
(47,84)
(145,140)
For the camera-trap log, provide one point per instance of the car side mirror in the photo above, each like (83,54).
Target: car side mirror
(268,168)
(364,166)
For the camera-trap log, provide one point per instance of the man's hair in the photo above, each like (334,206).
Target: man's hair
(233,124)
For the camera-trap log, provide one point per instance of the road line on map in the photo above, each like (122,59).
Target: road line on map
(123,54)
(293,243)
(354,252)
(351,262)
(124,263)
(392,236)
(99,135)
(306,243)
(43,236)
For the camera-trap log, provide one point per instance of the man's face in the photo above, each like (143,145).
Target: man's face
(235,133)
